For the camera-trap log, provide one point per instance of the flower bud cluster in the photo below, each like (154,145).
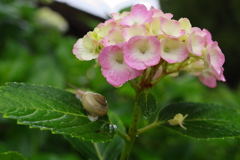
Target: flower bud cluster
(132,42)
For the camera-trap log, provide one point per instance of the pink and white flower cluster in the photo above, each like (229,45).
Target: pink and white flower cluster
(131,42)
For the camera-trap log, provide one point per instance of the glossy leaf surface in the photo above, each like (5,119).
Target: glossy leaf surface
(204,120)
(52,109)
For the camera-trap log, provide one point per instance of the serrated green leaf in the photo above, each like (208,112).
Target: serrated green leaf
(11,155)
(103,151)
(204,120)
(147,103)
(52,109)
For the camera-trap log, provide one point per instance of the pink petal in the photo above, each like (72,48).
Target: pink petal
(118,75)
(209,77)
(138,15)
(173,50)
(208,80)
(141,52)
(154,27)
(114,68)
(114,36)
(109,55)
(208,37)
(134,30)
(159,13)
(196,42)
(217,58)
(107,22)
(158,73)
(171,28)
(83,53)
(104,28)
(220,75)
(118,16)
(185,24)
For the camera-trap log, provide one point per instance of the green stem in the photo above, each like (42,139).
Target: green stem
(97,150)
(155,69)
(134,85)
(144,75)
(148,127)
(125,137)
(141,85)
(132,133)
(158,79)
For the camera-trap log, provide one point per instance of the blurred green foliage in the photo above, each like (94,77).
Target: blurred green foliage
(39,54)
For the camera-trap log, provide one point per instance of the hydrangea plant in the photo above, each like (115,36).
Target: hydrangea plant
(150,44)
(140,47)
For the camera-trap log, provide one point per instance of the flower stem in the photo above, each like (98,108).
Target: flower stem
(132,133)
(158,79)
(98,152)
(123,136)
(134,85)
(148,127)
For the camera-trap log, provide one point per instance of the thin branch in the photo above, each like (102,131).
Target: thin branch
(150,126)
(123,136)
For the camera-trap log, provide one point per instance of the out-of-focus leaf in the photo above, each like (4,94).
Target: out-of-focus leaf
(11,156)
(46,71)
(51,156)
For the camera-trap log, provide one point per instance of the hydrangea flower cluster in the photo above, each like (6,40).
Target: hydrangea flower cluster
(150,43)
